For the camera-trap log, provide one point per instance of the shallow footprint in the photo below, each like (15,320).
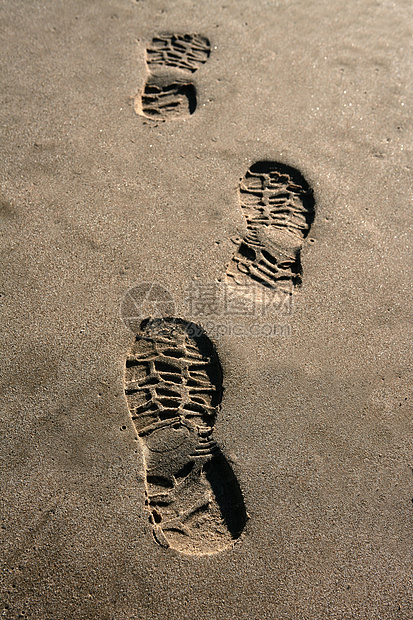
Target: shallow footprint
(173,388)
(169,92)
(278,205)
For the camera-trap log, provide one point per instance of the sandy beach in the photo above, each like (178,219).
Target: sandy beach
(102,193)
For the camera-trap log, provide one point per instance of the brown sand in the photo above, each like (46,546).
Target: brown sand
(94,199)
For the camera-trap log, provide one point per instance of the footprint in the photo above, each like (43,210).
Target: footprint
(169,92)
(173,388)
(278,205)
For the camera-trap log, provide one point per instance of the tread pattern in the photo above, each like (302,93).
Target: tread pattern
(181,51)
(168,92)
(161,101)
(173,389)
(278,205)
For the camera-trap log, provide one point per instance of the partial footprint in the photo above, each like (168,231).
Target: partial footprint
(278,205)
(173,388)
(169,92)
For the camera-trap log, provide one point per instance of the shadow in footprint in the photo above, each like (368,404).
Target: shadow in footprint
(227,493)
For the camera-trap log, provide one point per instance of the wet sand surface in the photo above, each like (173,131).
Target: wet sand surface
(316,419)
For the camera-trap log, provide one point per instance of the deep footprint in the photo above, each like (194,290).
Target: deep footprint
(173,388)
(169,92)
(278,205)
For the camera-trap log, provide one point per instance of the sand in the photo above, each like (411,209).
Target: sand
(315,418)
